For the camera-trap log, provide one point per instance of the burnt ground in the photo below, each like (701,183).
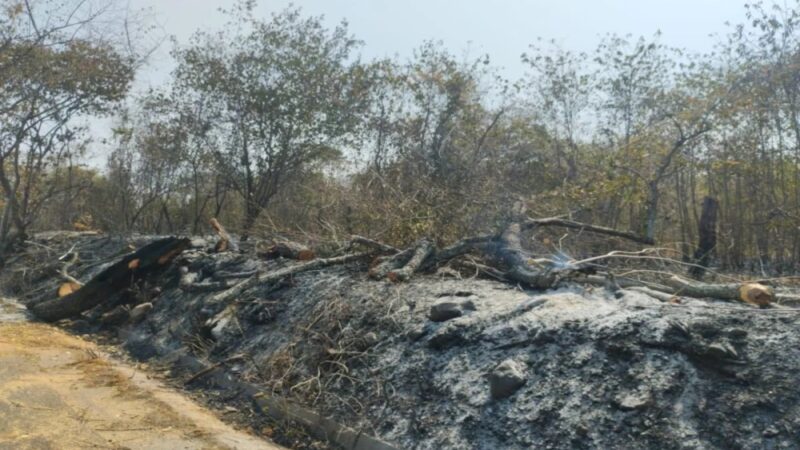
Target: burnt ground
(450,363)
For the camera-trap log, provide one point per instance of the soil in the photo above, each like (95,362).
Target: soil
(58,391)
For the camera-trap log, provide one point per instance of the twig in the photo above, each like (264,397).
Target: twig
(214,367)
(375,245)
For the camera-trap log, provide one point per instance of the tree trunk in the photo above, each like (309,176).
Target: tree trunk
(707,232)
(652,210)
(251,213)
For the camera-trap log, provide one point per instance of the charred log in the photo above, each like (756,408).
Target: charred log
(151,258)
(383,266)
(509,252)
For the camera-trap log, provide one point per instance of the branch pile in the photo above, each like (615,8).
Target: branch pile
(501,256)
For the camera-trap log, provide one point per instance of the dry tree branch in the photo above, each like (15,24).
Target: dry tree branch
(558,222)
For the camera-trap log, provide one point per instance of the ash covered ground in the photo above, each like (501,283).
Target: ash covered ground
(450,363)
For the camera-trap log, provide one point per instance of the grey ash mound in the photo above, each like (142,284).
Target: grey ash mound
(446,363)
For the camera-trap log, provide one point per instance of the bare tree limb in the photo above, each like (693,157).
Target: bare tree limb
(272,277)
(557,222)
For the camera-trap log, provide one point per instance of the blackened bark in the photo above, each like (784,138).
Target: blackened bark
(151,258)
(707,232)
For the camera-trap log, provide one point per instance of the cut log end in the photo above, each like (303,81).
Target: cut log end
(290,250)
(305,255)
(68,288)
(756,294)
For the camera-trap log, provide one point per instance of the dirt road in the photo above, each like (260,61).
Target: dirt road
(60,392)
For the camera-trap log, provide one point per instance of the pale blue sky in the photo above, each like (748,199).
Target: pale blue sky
(501,28)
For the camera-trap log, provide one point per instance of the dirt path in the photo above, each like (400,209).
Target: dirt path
(60,392)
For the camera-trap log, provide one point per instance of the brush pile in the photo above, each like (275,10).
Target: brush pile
(492,342)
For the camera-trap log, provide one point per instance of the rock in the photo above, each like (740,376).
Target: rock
(506,378)
(468,305)
(444,311)
(140,311)
(631,401)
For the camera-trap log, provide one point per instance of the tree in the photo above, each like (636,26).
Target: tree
(559,86)
(290,93)
(652,113)
(53,73)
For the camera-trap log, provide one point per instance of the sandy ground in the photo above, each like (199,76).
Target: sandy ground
(60,392)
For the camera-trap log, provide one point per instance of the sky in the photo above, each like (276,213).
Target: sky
(501,28)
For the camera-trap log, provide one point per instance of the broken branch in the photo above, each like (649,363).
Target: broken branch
(225,242)
(421,252)
(557,222)
(272,277)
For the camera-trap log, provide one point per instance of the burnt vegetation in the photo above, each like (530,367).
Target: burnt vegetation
(278,128)
(288,212)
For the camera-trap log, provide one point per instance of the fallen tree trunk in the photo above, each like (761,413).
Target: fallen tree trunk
(787,299)
(150,258)
(394,262)
(753,293)
(658,295)
(509,252)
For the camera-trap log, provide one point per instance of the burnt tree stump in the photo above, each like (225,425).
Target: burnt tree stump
(707,231)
